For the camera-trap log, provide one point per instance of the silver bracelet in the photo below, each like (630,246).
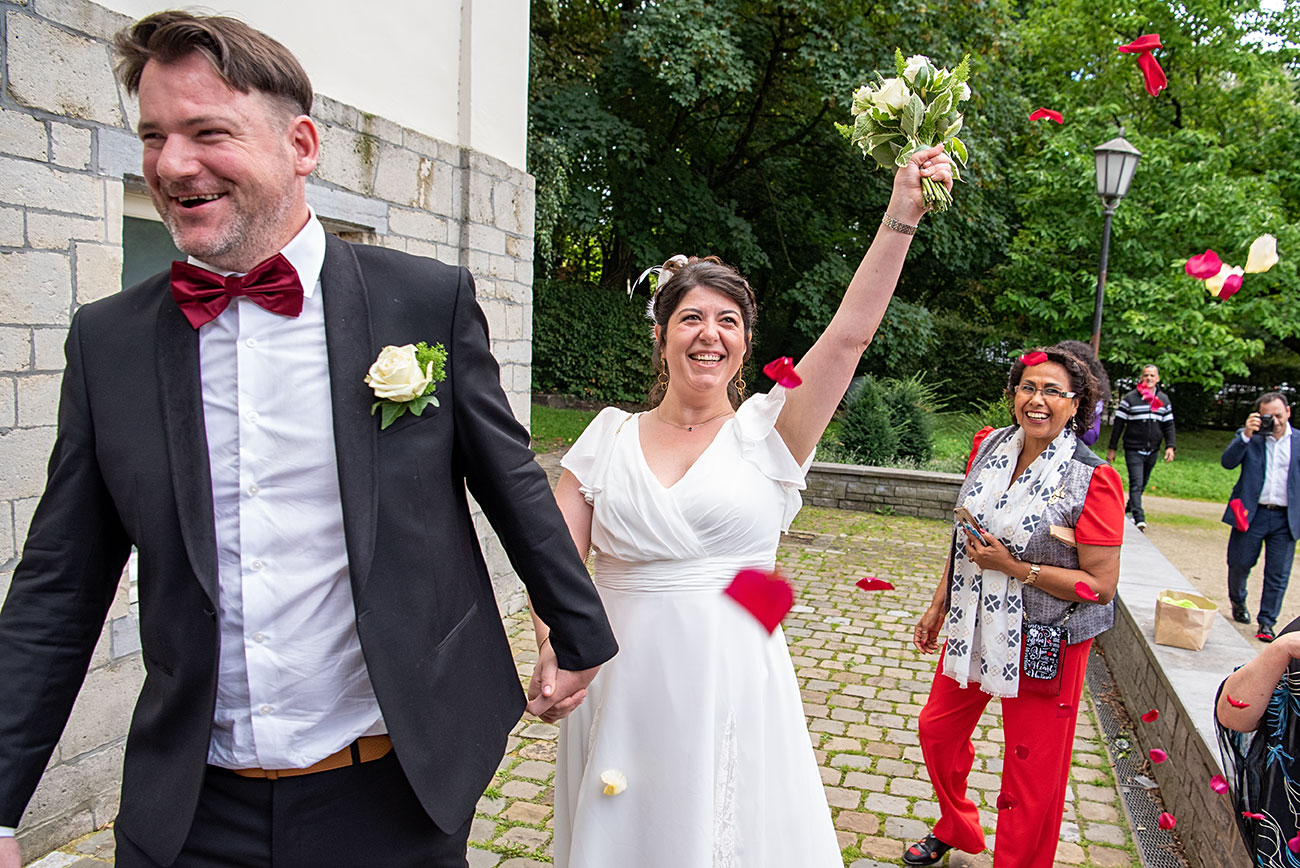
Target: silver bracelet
(897,225)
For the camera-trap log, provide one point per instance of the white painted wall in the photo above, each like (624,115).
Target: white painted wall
(402,60)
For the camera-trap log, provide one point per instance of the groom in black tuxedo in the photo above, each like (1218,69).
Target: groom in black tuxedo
(327,680)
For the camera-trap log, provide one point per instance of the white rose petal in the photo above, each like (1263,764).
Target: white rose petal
(615,781)
(892,96)
(1214,284)
(396,375)
(862,99)
(1263,255)
(914,64)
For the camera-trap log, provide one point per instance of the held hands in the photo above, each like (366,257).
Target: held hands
(989,553)
(908,200)
(553,693)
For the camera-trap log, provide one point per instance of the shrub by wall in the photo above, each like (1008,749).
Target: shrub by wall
(590,342)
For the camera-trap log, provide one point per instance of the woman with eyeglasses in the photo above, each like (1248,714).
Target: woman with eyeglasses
(1030,581)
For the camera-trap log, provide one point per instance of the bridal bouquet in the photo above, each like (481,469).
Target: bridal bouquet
(915,110)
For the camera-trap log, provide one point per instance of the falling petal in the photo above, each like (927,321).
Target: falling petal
(1205,266)
(782,371)
(1251,815)
(1157,755)
(615,781)
(1241,518)
(1022,752)
(1034,358)
(1294,844)
(1006,803)
(1262,256)
(1219,784)
(1085,592)
(1166,821)
(1142,43)
(1215,284)
(1153,76)
(1151,716)
(1047,114)
(871,583)
(765,596)
(1236,703)
(1230,286)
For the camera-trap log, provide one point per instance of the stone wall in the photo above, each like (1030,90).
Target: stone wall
(68,156)
(1182,686)
(919,493)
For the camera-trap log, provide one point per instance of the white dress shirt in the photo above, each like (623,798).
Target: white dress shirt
(1276,467)
(292,687)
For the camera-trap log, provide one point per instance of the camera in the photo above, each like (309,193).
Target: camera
(1266,424)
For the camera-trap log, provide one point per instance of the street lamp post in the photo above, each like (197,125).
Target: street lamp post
(1116,162)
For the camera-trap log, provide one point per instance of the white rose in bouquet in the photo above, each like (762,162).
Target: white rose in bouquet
(914,64)
(892,96)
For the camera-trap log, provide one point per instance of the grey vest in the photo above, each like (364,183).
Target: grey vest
(1089,619)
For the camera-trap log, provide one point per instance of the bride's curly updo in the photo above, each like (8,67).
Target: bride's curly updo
(678,276)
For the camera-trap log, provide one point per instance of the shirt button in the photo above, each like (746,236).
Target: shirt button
(266,709)
(252,416)
(254,489)
(257,565)
(251,342)
(259,638)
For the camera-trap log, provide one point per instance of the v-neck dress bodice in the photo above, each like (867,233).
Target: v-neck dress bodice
(700,709)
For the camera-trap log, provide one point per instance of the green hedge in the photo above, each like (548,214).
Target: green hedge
(590,342)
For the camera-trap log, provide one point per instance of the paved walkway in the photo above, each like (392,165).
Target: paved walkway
(863,686)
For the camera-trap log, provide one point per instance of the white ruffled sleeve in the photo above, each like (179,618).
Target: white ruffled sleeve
(762,446)
(588,458)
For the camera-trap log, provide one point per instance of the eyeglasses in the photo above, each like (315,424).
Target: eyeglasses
(1048,391)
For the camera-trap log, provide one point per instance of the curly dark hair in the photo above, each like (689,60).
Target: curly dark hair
(1087,356)
(1082,383)
(675,280)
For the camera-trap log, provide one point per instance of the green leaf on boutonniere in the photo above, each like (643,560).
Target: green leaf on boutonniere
(389,413)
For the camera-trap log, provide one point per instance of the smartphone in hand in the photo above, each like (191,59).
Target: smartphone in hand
(968,521)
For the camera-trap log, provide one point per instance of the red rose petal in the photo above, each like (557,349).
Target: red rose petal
(1157,755)
(782,371)
(1294,844)
(1085,592)
(1251,815)
(1240,517)
(1006,803)
(1151,716)
(1034,358)
(1153,76)
(1219,784)
(1236,703)
(1047,114)
(870,583)
(1022,752)
(1204,266)
(1142,43)
(1166,821)
(765,596)
(1230,286)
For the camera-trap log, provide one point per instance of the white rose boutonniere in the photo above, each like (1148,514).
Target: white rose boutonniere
(404,378)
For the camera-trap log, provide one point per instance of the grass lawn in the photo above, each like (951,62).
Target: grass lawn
(554,428)
(1194,474)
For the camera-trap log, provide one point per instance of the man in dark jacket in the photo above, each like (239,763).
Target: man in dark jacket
(1145,417)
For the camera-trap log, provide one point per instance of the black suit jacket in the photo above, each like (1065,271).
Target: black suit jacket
(130,467)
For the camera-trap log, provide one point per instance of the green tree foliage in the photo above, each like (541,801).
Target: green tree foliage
(589,343)
(1217,170)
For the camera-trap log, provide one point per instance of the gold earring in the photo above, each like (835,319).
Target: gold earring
(663,378)
(740,383)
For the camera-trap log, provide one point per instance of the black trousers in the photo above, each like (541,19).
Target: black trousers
(355,817)
(1139,474)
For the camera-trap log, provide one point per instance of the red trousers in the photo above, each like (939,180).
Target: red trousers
(1039,736)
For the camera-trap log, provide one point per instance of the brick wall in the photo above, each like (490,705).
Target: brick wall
(68,155)
(919,493)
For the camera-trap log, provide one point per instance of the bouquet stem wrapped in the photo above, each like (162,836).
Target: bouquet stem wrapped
(912,111)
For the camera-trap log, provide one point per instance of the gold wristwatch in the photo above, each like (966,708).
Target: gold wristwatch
(1033,573)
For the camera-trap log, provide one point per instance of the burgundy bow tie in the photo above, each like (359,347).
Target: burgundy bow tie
(203,295)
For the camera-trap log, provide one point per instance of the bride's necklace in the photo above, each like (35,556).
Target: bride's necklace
(660,417)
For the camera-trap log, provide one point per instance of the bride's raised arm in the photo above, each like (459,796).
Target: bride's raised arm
(828,367)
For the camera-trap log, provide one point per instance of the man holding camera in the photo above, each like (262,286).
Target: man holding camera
(1264,509)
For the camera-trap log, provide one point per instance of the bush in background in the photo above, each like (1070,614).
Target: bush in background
(890,421)
(590,342)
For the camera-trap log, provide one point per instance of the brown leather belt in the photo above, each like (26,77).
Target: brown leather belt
(366,749)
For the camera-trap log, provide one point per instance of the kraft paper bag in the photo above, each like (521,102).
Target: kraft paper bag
(1182,627)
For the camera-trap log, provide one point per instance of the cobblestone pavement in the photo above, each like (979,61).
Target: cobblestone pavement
(863,686)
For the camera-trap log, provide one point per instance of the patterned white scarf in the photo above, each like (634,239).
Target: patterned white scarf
(985,606)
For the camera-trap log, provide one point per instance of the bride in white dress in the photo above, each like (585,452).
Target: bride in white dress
(700,711)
